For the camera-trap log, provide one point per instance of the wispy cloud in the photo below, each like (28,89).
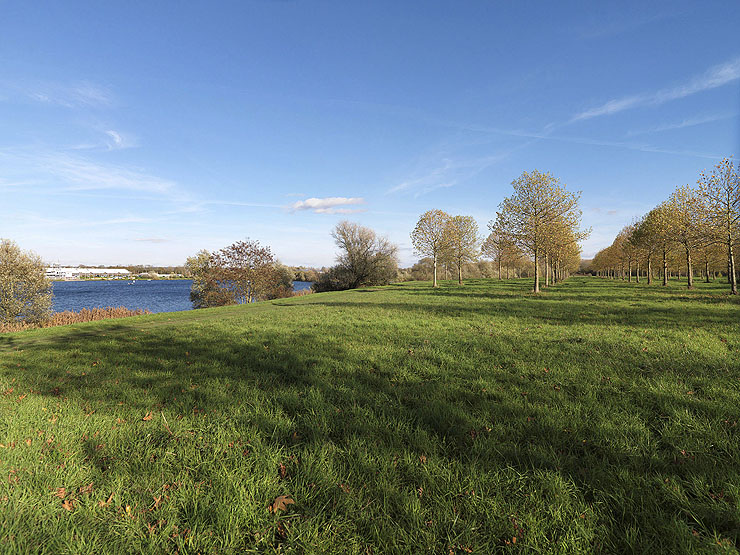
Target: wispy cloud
(117,140)
(80,174)
(448,172)
(82,94)
(328,205)
(691,122)
(714,77)
(151,240)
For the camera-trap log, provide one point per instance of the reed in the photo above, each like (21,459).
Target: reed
(70,317)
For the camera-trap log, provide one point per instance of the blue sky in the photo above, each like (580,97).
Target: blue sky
(141,132)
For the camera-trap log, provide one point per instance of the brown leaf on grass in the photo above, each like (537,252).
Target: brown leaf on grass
(423,459)
(60,493)
(106,503)
(28,442)
(68,504)
(148,416)
(86,490)
(282,531)
(282,471)
(280,504)
(344,488)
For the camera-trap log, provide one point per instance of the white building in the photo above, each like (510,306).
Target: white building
(58,272)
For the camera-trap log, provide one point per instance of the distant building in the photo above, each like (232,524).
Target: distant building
(58,272)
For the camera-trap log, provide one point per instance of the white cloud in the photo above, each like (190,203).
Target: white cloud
(328,205)
(714,77)
(118,140)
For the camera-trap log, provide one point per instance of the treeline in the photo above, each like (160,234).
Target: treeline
(538,227)
(423,270)
(695,226)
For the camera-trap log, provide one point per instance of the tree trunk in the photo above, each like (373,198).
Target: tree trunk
(689,270)
(435,272)
(733,276)
(706,270)
(499,267)
(650,270)
(459,274)
(637,272)
(629,270)
(665,268)
(536,271)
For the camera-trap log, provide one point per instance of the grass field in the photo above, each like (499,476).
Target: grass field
(598,416)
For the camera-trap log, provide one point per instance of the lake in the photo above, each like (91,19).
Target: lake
(155,295)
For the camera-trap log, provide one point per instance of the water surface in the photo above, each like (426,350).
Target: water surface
(155,296)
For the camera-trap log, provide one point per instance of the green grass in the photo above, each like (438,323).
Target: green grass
(599,416)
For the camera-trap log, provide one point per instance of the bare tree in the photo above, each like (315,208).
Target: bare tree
(25,291)
(363,259)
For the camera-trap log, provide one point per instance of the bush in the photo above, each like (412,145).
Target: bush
(25,291)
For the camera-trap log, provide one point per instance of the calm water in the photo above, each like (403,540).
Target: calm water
(155,296)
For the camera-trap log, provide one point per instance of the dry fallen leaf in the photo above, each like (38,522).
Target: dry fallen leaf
(60,493)
(280,504)
(68,504)
(106,503)
(148,416)
(86,489)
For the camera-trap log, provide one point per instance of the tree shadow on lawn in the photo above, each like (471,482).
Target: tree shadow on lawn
(305,377)
(556,311)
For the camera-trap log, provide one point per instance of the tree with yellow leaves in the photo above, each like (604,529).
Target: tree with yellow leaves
(721,192)
(529,215)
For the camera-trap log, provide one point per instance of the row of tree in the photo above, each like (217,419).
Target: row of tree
(539,222)
(698,223)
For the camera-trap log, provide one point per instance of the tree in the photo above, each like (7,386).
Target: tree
(721,192)
(364,259)
(248,271)
(688,216)
(205,290)
(243,272)
(430,236)
(538,202)
(462,232)
(500,248)
(25,291)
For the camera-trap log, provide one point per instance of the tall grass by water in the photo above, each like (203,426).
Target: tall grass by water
(598,416)
(74,317)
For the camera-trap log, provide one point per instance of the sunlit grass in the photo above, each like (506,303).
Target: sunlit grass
(598,416)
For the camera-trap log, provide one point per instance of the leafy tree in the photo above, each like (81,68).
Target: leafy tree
(247,270)
(25,291)
(528,216)
(430,237)
(721,192)
(205,290)
(463,242)
(240,273)
(364,259)
(688,215)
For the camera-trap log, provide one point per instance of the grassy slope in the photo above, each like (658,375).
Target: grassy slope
(598,416)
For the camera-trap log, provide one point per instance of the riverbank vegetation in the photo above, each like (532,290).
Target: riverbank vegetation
(67,317)
(597,416)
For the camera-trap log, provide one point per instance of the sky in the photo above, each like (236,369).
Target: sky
(143,132)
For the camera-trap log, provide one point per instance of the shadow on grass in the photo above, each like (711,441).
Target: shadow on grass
(304,376)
